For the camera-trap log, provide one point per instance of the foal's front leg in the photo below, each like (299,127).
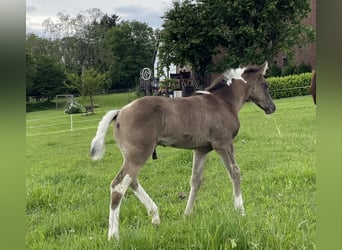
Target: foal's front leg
(227,156)
(145,199)
(196,177)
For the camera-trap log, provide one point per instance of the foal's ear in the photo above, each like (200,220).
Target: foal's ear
(264,68)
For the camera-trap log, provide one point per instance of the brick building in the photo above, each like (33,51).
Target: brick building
(307,54)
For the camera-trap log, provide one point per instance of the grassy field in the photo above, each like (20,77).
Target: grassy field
(68,193)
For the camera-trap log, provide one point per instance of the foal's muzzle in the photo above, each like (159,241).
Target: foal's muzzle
(270,109)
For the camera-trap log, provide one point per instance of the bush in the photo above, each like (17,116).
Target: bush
(274,71)
(289,69)
(35,106)
(303,68)
(289,86)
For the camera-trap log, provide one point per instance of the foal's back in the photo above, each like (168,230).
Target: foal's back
(189,122)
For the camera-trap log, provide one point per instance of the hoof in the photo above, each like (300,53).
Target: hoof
(112,235)
(156,221)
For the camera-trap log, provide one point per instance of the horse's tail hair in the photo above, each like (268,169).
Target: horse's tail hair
(97,148)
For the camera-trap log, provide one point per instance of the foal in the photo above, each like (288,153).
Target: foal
(203,122)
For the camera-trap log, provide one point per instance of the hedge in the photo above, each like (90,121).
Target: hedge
(289,86)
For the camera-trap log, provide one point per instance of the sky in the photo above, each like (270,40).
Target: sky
(147,11)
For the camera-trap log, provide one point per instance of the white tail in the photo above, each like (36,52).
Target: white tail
(97,148)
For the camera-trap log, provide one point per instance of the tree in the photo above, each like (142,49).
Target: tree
(48,79)
(189,37)
(107,22)
(80,38)
(44,69)
(39,47)
(242,31)
(30,73)
(89,83)
(132,45)
(259,30)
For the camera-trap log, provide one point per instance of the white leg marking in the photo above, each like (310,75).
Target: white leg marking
(199,159)
(151,207)
(113,223)
(238,204)
(123,185)
(189,205)
(114,214)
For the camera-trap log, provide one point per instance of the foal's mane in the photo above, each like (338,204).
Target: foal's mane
(227,77)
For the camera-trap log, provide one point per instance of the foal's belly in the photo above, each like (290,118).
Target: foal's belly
(187,141)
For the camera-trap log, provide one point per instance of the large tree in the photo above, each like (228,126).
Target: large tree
(244,31)
(189,37)
(132,45)
(81,38)
(48,79)
(30,74)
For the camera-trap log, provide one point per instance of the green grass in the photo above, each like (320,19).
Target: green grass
(68,193)
(101,100)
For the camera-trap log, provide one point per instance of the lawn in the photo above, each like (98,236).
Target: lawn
(68,193)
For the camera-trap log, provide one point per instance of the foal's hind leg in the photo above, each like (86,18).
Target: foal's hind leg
(228,159)
(145,199)
(118,189)
(134,159)
(196,177)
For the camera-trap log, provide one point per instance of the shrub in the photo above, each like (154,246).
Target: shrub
(35,106)
(303,68)
(288,69)
(274,71)
(289,86)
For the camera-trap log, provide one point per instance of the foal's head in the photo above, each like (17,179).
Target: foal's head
(259,91)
